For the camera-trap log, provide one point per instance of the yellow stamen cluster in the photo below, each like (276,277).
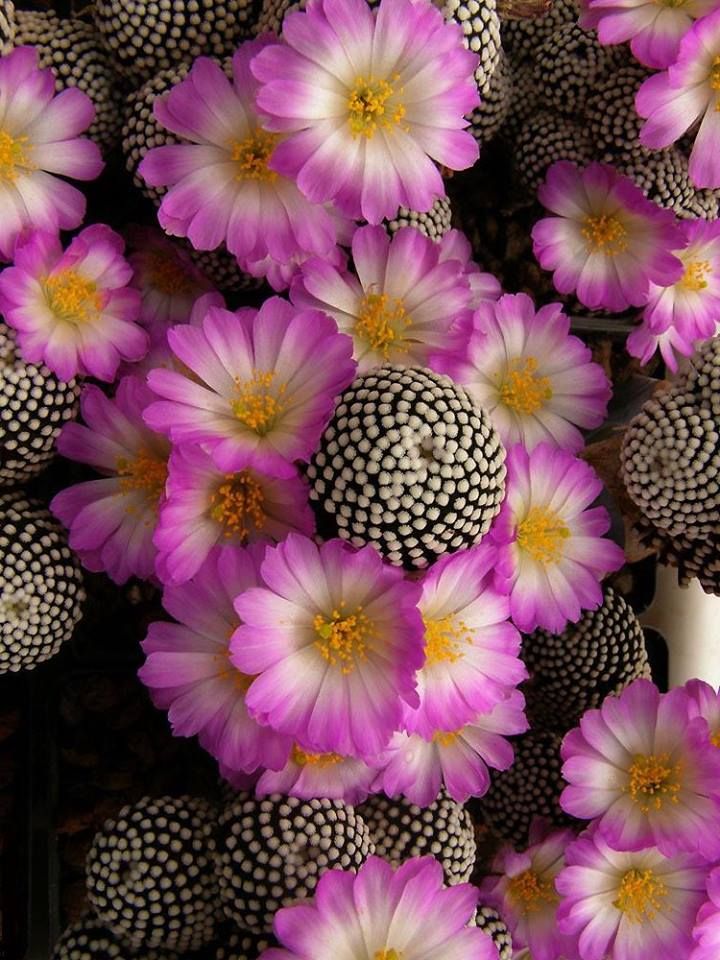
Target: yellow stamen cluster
(318,760)
(144,474)
(541,534)
(640,895)
(653,781)
(715,739)
(605,234)
(695,274)
(387,954)
(230,674)
(523,389)
(237,505)
(13,157)
(369,107)
(258,401)
(444,639)
(381,322)
(252,155)
(446,738)
(168,276)
(715,77)
(530,894)
(71,297)
(342,638)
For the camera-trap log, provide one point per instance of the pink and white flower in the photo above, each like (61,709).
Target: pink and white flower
(307,774)
(416,767)
(168,281)
(205,507)
(224,181)
(111,521)
(628,906)
(454,245)
(402,303)
(188,670)
(383,914)
(522,889)
(645,769)
(705,702)
(74,310)
(606,241)
(369,100)
(553,538)
(536,381)
(653,27)
(644,342)
(707,929)
(261,386)
(39,143)
(691,305)
(686,97)
(471,649)
(334,639)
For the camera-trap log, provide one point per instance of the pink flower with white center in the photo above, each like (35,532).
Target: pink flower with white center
(224,182)
(168,281)
(707,928)
(630,905)
(111,521)
(653,27)
(606,241)
(691,305)
(205,507)
(645,769)
(705,702)
(39,138)
(535,380)
(522,889)
(307,774)
(402,303)
(260,388)
(644,342)
(335,639)
(417,767)
(471,649)
(370,100)
(188,670)
(553,538)
(74,310)
(454,245)
(685,95)
(383,914)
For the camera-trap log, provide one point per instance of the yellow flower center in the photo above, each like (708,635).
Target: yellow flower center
(640,895)
(523,390)
(237,505)
(319,760)
(230,674)
(530,894)
(715,74)
(252,155)
(342,638)
(168,276)
(72,297)
(258,401)
(605,235)
(372,104)
(541,534)
(653,781)
(13,157)
(715,739)
(695,274)
(443,640)
(381,322)
(387,954)
(446,738)
(145,474)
